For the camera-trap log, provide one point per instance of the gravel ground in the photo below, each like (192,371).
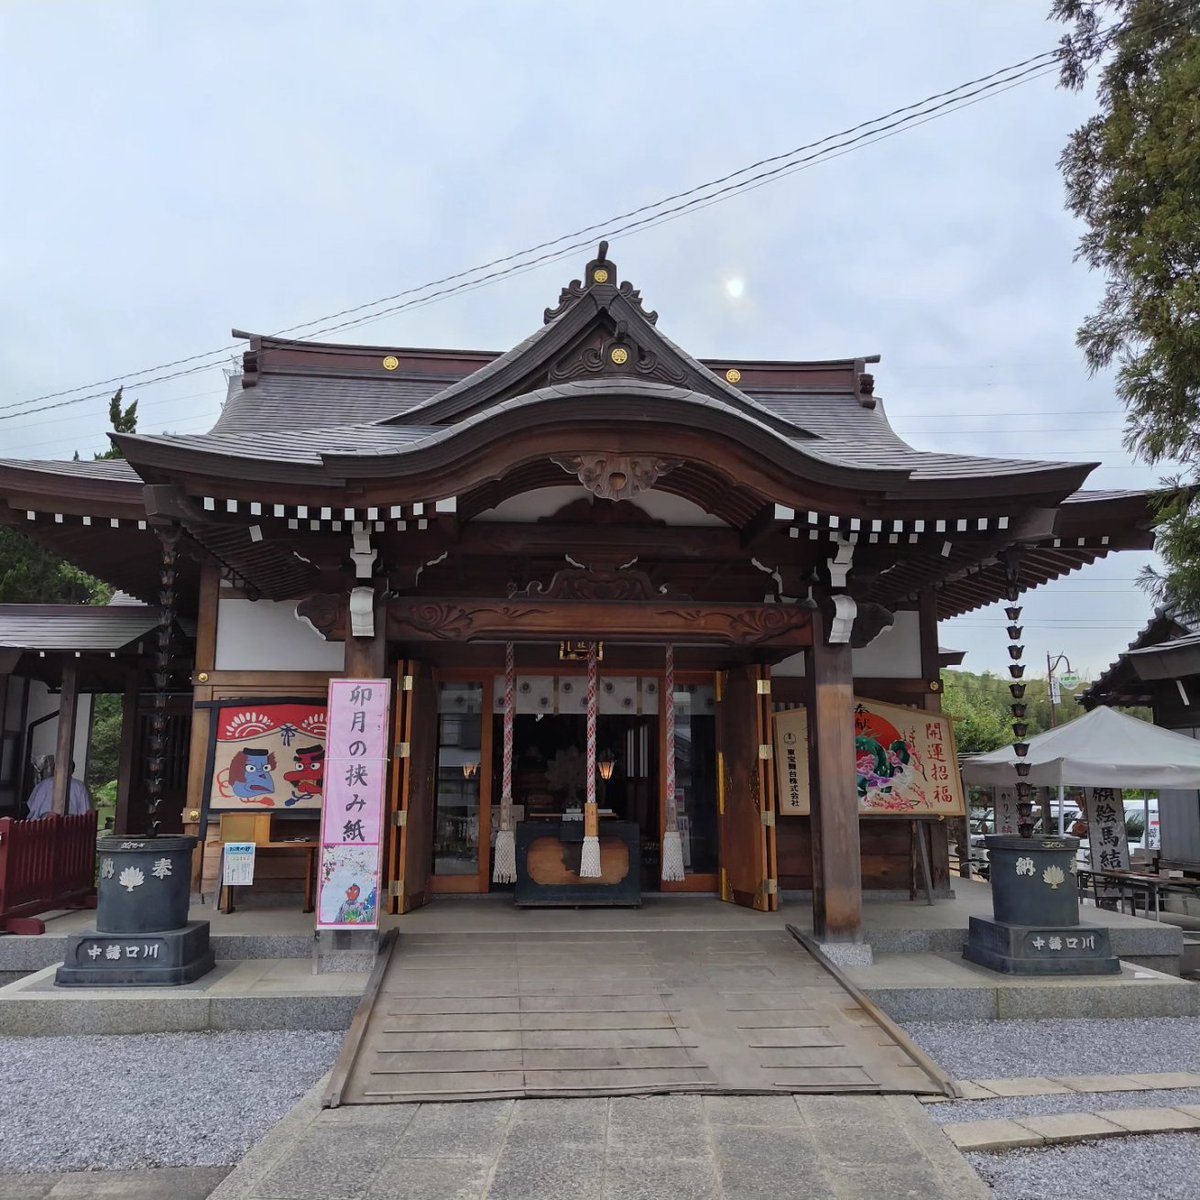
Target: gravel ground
(150,1100)
(1109,1046)
(1035,1106)
(1163,1166)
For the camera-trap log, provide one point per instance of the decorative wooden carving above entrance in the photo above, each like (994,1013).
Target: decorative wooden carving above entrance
(616,476)
(574,584)
(531,620)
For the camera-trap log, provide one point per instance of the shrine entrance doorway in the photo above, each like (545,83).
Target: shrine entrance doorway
(449,760)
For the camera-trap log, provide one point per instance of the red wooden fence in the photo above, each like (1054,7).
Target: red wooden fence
(45,864)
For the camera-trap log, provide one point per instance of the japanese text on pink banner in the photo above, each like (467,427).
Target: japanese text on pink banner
(352,822)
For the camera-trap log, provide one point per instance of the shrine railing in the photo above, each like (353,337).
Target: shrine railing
(45,864)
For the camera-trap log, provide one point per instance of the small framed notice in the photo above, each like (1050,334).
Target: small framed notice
(239,864)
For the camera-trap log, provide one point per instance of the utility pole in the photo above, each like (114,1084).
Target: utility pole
(1051,682)
(1053,687)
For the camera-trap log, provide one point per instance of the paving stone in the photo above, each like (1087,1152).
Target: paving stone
(654,1178)
(970,1089)
(332,1169)
(647,1126)
(991,1135)
(25,1187)
(866,1145)
(896,1182)
(430,1179)
(1070,1127)
(161,1183)
(529,1175)
(1152,1120)
(751,1110)
(396,1117)
(1105,1083)
(455,1130)
(758,1162)
(1032,1085)
(1169,1079)
(562,1120)
(841,1111)
(1192,1110)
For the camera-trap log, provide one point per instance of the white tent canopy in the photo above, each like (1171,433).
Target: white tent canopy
(1103,749)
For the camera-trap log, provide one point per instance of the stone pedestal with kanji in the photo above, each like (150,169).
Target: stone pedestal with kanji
(1035,903)
(142,937)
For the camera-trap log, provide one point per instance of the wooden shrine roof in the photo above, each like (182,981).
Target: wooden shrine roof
(1165,633)
(362,432)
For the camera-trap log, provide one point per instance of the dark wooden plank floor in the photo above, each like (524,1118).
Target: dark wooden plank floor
(462,1016)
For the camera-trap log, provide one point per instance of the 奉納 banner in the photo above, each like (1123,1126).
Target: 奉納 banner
(352,821)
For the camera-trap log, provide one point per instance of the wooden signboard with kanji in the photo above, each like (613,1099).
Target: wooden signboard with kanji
(905,762)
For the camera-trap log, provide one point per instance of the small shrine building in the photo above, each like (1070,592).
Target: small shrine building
(723,538)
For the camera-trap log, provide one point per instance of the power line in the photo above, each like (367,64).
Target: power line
(1003,79)
(959,96)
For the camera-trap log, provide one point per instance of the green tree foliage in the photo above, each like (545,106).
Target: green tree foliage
(1132,174)
(983,718)
(31,575)
(122,420)
(104,754)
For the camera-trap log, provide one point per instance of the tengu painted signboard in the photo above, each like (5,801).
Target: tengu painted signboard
(267,754)
(352,820)
(905,764)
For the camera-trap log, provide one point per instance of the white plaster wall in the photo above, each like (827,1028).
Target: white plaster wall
(265,635)
(894,654)
(544,502)
(45,737)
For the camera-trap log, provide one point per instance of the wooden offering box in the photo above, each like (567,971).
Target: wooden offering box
(548,854)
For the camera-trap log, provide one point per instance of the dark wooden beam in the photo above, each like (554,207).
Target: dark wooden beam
(837,860)
(127,754)
(68,706)
(519,620)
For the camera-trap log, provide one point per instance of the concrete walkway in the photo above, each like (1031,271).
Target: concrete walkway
(167,1183)
(678,1147)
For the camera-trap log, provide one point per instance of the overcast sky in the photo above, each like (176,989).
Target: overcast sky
(175,170)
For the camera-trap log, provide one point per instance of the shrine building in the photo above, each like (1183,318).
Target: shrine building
(706,543)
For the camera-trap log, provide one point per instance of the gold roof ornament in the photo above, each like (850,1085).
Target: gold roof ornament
(391,363)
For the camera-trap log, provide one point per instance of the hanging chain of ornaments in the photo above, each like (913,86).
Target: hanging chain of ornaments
(167,599)
(1020,726)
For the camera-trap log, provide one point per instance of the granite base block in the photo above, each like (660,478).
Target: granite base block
(163,959)
(1040,950)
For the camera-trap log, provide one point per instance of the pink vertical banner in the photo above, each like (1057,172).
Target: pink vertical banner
(352,817)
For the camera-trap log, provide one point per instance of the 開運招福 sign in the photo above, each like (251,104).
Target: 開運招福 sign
(904,765)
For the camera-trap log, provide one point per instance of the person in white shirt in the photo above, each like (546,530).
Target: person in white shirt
(41,799)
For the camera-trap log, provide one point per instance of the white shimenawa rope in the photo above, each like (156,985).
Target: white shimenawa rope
(672,847)
(504,863)
(589,859)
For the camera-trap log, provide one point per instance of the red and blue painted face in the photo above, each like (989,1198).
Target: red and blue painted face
(308,775)
(250,774)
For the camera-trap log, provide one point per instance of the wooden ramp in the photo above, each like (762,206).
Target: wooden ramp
(476,1015)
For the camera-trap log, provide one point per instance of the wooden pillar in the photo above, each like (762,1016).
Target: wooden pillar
(127,757)
(837,857)
(366,657)
(931,672)
(68,706)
